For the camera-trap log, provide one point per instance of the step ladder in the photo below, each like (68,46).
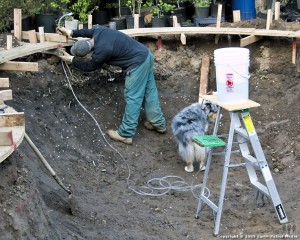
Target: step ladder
(241,127)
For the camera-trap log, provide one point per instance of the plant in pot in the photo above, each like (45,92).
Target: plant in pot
(82,9)
(179,10)
(46,14)
(100,15)
(135,8)
(120,21)
(159,10)
(201,8)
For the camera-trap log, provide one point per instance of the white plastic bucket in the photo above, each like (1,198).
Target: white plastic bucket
(232,73)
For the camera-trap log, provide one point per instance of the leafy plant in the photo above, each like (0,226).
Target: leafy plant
(159,8)
(201,3)
(134,6)
(82,9)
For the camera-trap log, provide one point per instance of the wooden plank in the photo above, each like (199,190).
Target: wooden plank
(28,49)
(18,136)
(19,66)
(18,24)
(5,95)
(204,77)
(12,119)
(4,82)
(49,37)
(208,30)
(248,40)
(6,137)
(230,108)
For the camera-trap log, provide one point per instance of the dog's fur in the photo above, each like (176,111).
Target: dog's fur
(192,121)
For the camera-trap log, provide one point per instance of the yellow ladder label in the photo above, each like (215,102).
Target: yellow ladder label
(249,124)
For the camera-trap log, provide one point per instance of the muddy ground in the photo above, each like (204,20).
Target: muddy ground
(107,178)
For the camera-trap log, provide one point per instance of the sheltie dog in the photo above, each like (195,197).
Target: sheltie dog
(193,121)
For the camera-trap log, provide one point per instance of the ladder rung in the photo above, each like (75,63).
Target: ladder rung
(223,153)
(261,188)
(241,131)
(237,165)
(252,160)
(209,203)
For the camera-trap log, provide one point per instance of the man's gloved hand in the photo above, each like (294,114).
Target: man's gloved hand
(66,57)
(64,31)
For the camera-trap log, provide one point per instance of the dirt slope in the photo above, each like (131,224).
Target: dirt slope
(103,205)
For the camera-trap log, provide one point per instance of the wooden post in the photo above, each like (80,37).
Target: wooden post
(269,18)
(18,24)
(175,22)
(294,50)
(42,34)
(204,77)
(159,43)
(136,19)
(277,10)
(90,21)
(219,16)
(80,26)
(218,25)
(9,42)
(236,15)
(32,36)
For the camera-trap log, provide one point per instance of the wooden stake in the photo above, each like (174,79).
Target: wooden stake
(136,18)
(219,16)
(236,15)
(41,34)
(18,23)
(80,26)
(204,77)
(90,21)
(32,36)
(294,50)
(277,10)
(269,19)
(218,25)
(9,42)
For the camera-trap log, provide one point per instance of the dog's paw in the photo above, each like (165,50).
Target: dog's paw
(202,168)
(189,168)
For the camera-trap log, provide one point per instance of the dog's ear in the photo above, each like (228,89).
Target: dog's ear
(206,106)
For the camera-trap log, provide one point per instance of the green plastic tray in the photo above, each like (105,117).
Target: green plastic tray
(209,141)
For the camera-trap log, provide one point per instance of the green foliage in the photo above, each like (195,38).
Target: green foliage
(83,8)
(201,3)
(134,6)
(159,8)
(7,12)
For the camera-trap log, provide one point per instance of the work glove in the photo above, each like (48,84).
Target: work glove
(66,57)
(64,31)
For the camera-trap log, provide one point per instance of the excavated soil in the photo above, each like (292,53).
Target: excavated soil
(107,178)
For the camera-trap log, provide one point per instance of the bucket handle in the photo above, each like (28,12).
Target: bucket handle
(238,72)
